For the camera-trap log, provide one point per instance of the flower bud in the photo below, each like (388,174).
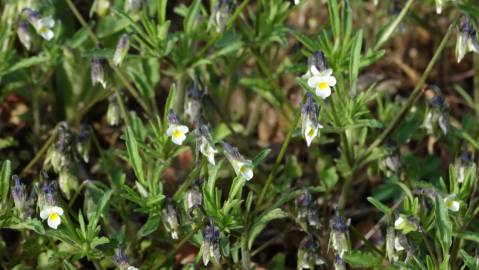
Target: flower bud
(194,198)
(204,143)
(193,102)
(463,164)
(19,196)
(170,220)
(24,34)
(133,5)
(113,111)
(221,14)
(339,234)
(466,39)
(308,254)
(339,263)
(102,7)
(308,211)
(406,224)
(121,50)
(211,243)
(83,143)
(98,71)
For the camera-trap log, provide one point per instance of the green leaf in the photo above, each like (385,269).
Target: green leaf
(134,155)
(354,61)
(5,174)
(26,62)
(260,157)
(443,224)
(362,259)
(469,261)
(406,190)
(380,206)
(262,221)
(150,226)
(307,42)
(334,19)
(191,17)
(105,199)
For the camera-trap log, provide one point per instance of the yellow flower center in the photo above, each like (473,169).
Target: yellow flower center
(177,134)
(311,132)
(243,169)
(54,216)
(322,85)
(43,29)
(449,204)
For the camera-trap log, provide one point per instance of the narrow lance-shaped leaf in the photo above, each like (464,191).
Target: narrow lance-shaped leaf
(5,174)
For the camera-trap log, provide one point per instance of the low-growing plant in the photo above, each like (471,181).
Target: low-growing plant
(228,134)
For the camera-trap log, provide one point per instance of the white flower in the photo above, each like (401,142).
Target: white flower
(52,213)
(208,150)
(177,133)
(43,26)
(309,119)
(397,244)
(242,166)
(132,268)
(311,131)
(296,2)
(121,49)
(451,203)
(321,81)
(399,221)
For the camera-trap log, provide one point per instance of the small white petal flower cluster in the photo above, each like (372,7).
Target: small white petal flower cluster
(206,147)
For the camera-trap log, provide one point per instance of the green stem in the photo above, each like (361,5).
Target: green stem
(40,153)
(415,95)
(277,163)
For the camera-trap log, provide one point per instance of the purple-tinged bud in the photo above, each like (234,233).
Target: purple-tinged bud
(98,71)
(24,34)
(241,166)
(19,196)
(309,119)
(121,50)
(170,220)
(221,14)
(83,144)
(466,39)
(133,5)
(121,259)
(308,211)
(308,254)
(211,243)
(339,234)
(193,102)
(318,60)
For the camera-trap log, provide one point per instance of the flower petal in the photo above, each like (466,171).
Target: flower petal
(54,222)
(45,212)
(324,93)
(48,34)
(331,80)
(313,81)
(314,70)
(178,140)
